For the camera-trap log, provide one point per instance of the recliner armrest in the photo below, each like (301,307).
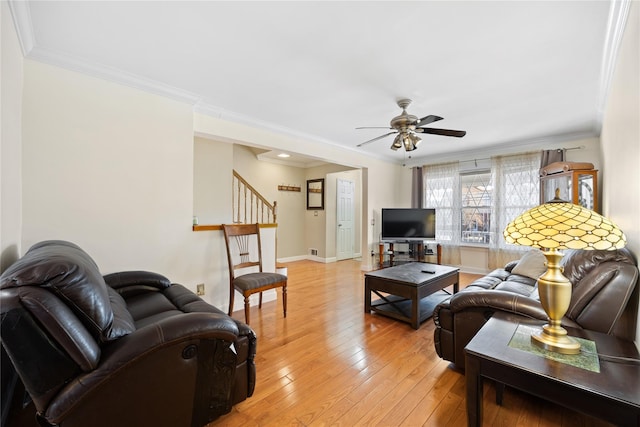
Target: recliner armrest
(497,300)
(135,282)
(175,328)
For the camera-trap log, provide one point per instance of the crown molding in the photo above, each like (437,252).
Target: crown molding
(503,148)
(30,49)
(232,116)
(22,21)
(618,14)
(73,63)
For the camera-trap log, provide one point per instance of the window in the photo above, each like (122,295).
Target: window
(473,207)
(476,196)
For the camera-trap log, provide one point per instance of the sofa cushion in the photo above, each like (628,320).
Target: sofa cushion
(489,281)
(521,285)
(532,264)
(150,308)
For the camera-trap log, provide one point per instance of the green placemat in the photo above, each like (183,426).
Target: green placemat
(587,359)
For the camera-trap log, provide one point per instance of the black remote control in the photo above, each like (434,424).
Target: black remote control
(429,271)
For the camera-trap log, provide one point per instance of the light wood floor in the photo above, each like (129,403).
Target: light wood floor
(329,363)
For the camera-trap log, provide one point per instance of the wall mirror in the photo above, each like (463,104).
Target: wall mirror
(315,194)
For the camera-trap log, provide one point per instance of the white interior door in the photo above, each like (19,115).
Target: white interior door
(345,219)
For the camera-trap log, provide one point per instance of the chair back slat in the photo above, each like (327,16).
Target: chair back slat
(243,246)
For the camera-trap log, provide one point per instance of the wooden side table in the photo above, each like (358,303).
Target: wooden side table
(612,394)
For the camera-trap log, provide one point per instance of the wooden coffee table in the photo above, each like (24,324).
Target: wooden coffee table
(404,290)
(612,394)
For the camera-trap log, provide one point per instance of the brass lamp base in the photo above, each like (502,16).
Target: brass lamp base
(555,295)
(556,340)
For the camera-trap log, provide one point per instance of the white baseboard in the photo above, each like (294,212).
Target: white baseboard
(320,259)
(293,258)
(313,258)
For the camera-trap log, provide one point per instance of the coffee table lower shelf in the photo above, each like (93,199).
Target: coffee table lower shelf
(400,308)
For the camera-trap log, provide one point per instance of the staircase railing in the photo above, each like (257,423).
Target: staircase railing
(248,205)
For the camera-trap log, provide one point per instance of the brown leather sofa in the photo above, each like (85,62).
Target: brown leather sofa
(126,349)
(604,299)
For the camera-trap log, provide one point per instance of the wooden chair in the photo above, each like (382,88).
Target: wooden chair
(244,252)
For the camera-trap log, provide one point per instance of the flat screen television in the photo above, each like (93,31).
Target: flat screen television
(408,224)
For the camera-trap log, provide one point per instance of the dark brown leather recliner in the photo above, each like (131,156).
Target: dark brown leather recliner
(126,349)
(604,299)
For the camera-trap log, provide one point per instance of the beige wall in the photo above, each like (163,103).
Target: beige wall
(10,142)
(398,183)
(105,165)
(212,180)
(621,139)
(111,168)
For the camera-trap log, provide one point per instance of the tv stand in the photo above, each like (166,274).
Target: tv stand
(416,252)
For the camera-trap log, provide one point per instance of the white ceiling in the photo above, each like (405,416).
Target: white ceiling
(507,72)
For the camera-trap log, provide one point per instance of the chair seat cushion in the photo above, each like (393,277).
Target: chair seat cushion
(251,281)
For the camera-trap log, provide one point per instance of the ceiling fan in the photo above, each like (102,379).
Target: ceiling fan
(407,126)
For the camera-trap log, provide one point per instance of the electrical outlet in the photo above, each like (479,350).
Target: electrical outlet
(200,289)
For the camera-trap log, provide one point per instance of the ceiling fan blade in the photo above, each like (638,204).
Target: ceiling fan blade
(428,119)
(374,127)
(444,132)
(375,139)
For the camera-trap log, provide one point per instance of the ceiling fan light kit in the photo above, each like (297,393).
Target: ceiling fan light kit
(407,140)
(407,125)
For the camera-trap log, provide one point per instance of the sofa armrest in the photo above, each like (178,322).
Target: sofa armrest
(511,265)
(498,300)
(138,278)
(132,283)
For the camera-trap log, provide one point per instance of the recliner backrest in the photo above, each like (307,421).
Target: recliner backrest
(603,282)
(70,274)
(56,312)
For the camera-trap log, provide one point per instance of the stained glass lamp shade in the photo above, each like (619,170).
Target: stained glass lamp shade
(556,225)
